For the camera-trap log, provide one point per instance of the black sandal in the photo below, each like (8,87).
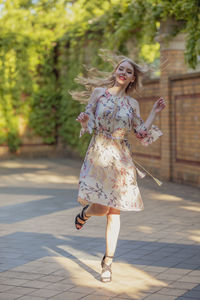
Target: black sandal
(81,216)
(105,268)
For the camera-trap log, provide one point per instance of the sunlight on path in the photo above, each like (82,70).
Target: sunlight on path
(126,278)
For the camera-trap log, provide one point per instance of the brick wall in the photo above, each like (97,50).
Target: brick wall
(185,128)
(176,155)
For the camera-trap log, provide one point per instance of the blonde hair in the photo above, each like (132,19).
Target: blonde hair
(97,78)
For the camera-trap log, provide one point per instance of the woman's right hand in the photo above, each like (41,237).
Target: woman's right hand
(83,118)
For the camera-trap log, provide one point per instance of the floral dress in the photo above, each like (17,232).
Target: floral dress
(108,173)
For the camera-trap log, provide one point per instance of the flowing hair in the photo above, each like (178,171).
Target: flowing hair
(96,78)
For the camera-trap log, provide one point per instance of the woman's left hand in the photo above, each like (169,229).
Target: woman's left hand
(159,105)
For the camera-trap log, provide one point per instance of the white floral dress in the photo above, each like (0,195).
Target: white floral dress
(108,173)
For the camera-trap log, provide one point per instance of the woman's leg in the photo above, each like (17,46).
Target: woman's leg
(112,233)
(93,210)
(97,210)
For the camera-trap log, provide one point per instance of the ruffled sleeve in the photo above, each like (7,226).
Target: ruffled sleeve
(145,136)
(90,111)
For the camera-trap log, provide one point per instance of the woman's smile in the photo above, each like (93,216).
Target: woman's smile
(122,77)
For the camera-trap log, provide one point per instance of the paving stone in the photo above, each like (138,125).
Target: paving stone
(193,279)
(4,288)
(59,286)
(195,273)
(51,278)
(68,296)
(160,297)
(45,293)
(14,281)
(177,271)
(83,289)
(36,284)
(193,294)
(95,297)
(183,285)
(105,293)
(30,298)
(42,252)
(7,296)
(20,275)
(172,292)
(21,291)
(169,276)
(133,297)
(185,298)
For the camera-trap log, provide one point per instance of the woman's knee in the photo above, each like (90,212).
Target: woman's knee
(101,209)
(113,211)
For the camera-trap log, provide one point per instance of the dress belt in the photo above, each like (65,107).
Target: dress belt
(140,173)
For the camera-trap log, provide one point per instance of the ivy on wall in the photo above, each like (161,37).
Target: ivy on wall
(44,43)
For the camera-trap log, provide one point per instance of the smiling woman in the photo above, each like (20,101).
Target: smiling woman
(108,183)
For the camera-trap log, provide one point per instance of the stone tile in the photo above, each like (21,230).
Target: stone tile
(36,284)
(193,279)
(21,290)
(95,297)
(4,288)
(14,281)
(7,296)
(52,278)
(59,286)
(193,294)
(185,298)
(120,298)
(160,297)
(45,293)
(172,292)
(68,296)
(132,297)
(183,285)
(83,289)
(21,275)
(153,289)
(197,287)
(169,276)
(30,298)
(156,269)
(195,272)
(105,293)
(177,271)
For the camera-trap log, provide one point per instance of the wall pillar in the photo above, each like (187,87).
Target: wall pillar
(172,62)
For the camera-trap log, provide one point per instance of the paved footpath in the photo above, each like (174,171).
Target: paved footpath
(43,256)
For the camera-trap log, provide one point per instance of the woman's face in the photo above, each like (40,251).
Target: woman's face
(124,74)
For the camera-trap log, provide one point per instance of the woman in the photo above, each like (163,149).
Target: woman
(108,182)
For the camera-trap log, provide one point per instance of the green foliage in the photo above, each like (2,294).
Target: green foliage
(44,43)
(28,88)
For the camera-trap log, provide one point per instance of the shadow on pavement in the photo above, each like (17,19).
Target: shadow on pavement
(57,200)
(22,247)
